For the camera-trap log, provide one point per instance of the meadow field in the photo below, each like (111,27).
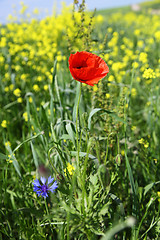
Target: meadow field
(100,143)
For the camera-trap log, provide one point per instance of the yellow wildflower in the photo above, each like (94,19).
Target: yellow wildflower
(30,99)
(149,73)
(7,143)
(108,95)
(70,169)
(133,128)
(17,92)
(111,78)
(141,141)
(45,87)
(95,88)
(25,116)
(133,92)
(19,100)
(135,65)
(4,124)
(36,88)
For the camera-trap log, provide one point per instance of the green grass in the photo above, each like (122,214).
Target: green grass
(101,143)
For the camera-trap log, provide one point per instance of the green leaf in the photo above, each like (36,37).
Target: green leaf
(54,73)
(2,156)
(34,156)
(119,203)
(15,162)
(83,154)
(106,111)
(104,209)
(27,140)
(133,187)
(129,222)
(71,133)
(149,186)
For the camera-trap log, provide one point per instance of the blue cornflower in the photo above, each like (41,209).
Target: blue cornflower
(44,188)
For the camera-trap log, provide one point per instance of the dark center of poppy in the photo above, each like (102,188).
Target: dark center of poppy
(81,64)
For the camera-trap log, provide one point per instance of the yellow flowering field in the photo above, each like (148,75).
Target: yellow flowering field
(100,143)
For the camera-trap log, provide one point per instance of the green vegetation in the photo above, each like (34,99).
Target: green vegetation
(100,143)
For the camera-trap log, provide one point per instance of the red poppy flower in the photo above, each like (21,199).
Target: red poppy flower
(87,68)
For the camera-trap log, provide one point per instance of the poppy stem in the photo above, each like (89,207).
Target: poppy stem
(77,123)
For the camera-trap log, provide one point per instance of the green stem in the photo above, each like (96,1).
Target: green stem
(46,206)
(55,170)
(47,211)
(77,124)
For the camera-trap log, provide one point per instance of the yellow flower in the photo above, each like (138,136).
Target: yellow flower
(155,160)
(137,32)
(45,87)
(149,73)
(99,19)
(59,58)
(111,78)
(95,88)
(25,116)
(135,65)
(106,57)
(4,124)
(36,88)
(70,169)
(133,128)
(146,144)
(157,35)
(126,105)
(17,92)
(158,193)
(10,158)
(140,43)
(108,95)
(6,89)
(141,141)
(133,92)
(123,153)
(109,29)
(11,87)
(7,144)
(39,78)
(30,99)
(19,100)
(143,57)
(49,112)
(148,103)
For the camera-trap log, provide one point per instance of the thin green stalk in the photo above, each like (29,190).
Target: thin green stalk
(47,211)
(55,170)
(77,125)
(68,217)
(46,206)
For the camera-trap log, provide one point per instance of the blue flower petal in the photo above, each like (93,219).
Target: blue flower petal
(44,194)
(43,180)
(50,180)
(36,183)
(53,187)
(35,188)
